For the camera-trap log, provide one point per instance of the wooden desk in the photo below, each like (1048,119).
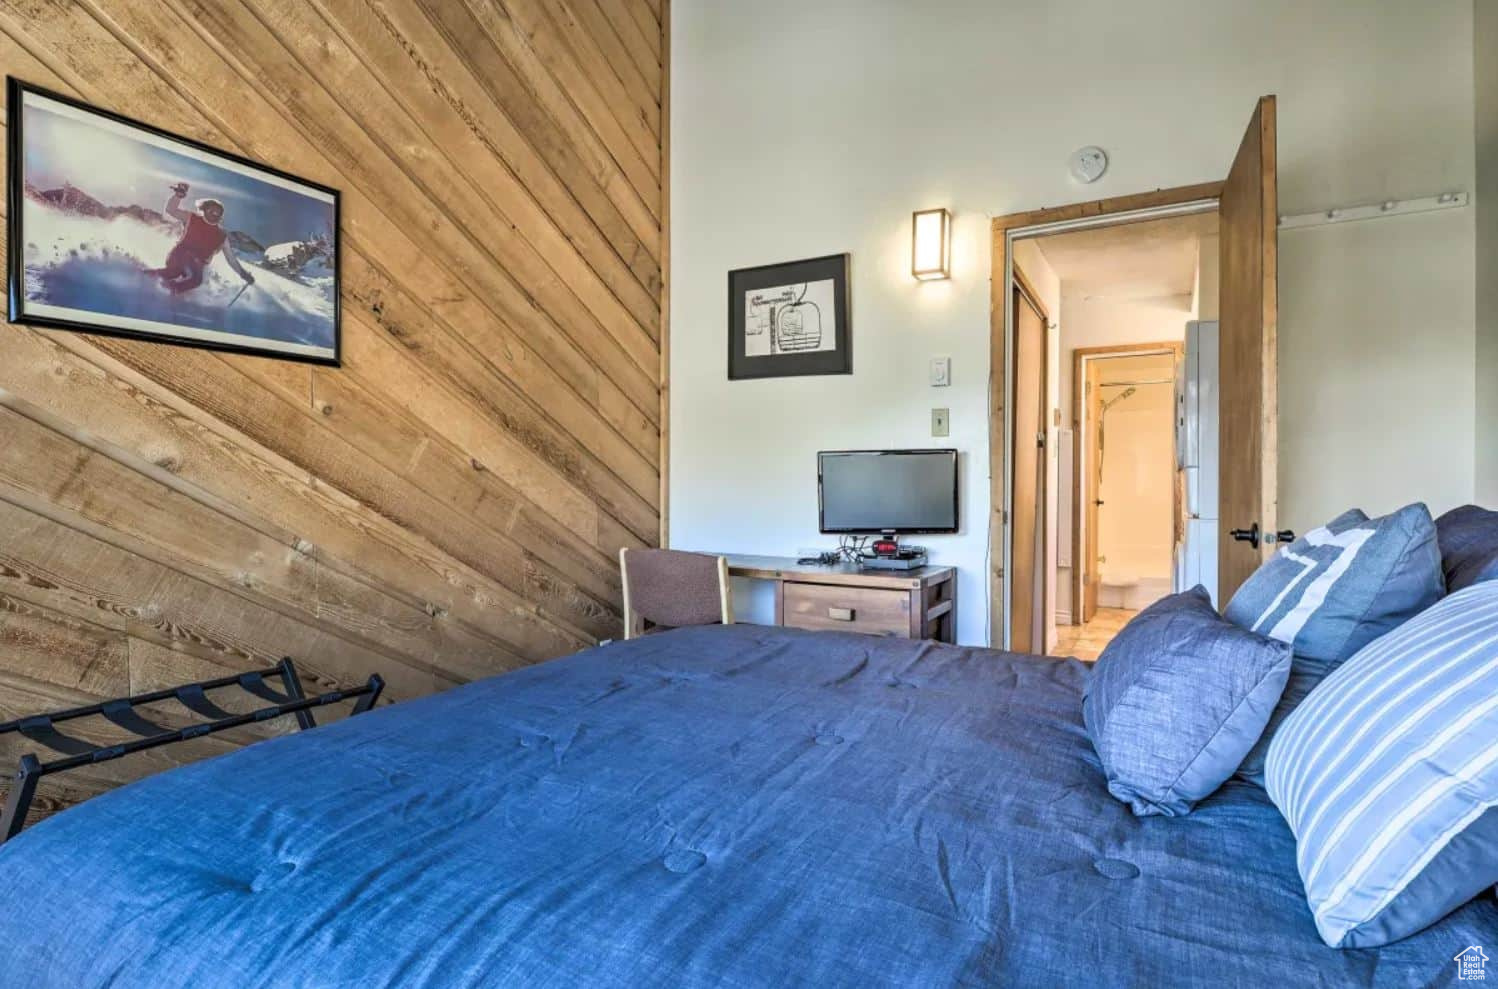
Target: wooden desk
(911,604)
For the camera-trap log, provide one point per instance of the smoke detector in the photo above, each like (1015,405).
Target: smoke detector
(1088,164)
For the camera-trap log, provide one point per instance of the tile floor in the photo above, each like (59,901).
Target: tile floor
(1087,641)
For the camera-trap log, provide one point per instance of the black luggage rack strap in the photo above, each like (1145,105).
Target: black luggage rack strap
(41,728)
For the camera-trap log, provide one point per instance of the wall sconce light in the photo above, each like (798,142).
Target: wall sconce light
(931,244)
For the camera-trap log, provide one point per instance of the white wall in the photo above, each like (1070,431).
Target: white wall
(803,128)
(1485,48)
(1391,425)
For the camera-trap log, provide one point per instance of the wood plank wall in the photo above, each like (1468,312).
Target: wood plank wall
(451,502)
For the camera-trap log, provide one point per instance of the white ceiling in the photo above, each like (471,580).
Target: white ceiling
(1152,261)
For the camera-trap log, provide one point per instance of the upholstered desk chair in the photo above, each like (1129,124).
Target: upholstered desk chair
(665,589)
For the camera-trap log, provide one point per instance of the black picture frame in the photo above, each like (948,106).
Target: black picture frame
(765,343)
(326,349)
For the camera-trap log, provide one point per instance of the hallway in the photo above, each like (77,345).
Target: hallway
(1086,642)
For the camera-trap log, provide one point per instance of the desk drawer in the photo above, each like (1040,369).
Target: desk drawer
(847,609)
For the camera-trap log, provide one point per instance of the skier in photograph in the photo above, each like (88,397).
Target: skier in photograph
(202,236)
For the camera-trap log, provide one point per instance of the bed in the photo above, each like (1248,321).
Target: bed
(726,806)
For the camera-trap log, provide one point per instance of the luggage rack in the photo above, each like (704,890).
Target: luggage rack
(41,728)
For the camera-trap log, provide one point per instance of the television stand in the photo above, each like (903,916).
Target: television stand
(844,597)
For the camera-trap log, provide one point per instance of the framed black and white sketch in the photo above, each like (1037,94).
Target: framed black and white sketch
(790,319)
(118,228)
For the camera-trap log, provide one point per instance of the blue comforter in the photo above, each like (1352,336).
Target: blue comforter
(740,806)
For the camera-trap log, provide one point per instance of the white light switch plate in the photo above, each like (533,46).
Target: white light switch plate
(941,372)
(941,422)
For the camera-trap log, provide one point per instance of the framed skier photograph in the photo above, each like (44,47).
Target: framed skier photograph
(789,319)
(119,228)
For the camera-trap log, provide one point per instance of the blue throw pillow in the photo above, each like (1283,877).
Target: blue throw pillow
(1305,674)
(1177,699)
(1388,775)
(1339,587)
(1469,546)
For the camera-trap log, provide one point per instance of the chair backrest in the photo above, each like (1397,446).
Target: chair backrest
(672,589)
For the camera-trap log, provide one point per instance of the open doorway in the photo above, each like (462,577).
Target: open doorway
(1125,521)
(1240,477)
(1121,301)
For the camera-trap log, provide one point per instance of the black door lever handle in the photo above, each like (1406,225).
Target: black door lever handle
(1249,535)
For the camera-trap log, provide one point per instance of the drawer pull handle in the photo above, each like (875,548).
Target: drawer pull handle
(840,614)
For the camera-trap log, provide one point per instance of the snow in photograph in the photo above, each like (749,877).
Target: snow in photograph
(125,229)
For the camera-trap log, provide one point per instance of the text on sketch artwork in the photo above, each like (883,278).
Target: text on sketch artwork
(789,319)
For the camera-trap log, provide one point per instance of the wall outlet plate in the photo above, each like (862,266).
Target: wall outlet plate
(941,422)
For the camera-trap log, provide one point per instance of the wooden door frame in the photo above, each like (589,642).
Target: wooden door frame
(1005,229)
(1024,290)
(1080,356)
(663,295)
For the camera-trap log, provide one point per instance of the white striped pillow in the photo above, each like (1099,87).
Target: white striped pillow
(1388,773)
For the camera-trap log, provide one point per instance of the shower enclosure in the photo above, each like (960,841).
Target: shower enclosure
(1130,528)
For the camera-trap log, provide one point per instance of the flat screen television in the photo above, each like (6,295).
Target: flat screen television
(887,491)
